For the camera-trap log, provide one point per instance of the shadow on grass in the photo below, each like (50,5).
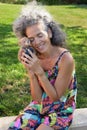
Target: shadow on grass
(9,56)
(8,51)
(82,6)
(6,30)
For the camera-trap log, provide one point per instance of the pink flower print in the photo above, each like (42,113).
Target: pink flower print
(56,106)
(17,123)
(32,122)
(64,121)
(45,109)
(46,121)
(52,81)
(60,121)
(50,72)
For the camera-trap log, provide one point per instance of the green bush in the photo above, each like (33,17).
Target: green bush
(56,2)
(75,1)
(47,2)
(81,1)
(15,1)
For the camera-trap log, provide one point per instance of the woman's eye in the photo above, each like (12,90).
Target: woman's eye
(31,40)
(40,35)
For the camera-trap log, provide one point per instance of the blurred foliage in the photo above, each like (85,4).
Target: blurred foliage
(56,2)
(15,1)
(46,2)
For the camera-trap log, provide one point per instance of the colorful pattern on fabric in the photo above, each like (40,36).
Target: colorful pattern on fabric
(57,114)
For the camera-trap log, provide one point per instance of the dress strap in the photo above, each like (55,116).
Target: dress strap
(60,56)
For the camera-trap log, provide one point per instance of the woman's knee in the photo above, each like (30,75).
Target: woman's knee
(44,127)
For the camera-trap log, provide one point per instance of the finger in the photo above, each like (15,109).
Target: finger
(20,53)
(24,59)
(27,56)
(25,64)
(31,53)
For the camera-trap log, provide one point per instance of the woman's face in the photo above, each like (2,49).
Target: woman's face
(39,37)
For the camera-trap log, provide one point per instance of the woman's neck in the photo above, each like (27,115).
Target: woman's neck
(48,62)
(53,51)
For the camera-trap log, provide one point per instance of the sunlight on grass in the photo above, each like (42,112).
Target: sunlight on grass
(70,15)
(14,83)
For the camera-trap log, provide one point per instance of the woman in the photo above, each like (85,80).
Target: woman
(51,71)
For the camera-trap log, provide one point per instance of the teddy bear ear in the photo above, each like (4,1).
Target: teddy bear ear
(24,42)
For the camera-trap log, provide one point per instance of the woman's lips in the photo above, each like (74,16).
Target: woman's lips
(40,47)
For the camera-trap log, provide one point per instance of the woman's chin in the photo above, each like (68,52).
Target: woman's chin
(41,50)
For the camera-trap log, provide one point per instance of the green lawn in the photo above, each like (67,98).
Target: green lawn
(14,83)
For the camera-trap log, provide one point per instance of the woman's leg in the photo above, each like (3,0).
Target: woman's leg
(44,127)
(26,128)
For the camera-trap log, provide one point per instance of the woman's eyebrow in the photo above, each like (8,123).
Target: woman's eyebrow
(39,33)
(31,37)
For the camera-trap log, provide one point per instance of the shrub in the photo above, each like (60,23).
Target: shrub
(47,2)
(15,1)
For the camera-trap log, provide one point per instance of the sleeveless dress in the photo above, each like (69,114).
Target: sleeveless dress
(58,114)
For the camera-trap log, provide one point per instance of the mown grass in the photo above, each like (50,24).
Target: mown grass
(14,83)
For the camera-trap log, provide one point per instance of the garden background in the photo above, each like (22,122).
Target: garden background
(14,83)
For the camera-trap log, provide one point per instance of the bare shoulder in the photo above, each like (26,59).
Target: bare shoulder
(67,60)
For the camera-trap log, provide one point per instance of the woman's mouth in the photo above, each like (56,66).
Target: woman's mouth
(40,47)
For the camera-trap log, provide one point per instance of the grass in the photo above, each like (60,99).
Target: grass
(14,83)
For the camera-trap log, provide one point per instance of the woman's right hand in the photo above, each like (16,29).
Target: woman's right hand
(30,72)
(20,54)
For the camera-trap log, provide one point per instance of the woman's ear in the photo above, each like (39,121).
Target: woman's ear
(49,33)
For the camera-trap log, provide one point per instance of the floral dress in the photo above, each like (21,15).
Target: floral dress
(58,114)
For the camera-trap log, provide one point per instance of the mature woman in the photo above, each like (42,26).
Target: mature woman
(51,71)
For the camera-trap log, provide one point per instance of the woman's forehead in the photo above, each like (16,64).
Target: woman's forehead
(36,28)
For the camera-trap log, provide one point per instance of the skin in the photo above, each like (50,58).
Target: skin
(40,40)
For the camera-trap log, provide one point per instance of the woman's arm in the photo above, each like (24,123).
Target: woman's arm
(36,90)
(66,66)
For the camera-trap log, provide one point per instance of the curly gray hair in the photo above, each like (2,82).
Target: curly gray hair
(32,14)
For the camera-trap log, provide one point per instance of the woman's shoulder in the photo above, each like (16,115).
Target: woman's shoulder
(66,59)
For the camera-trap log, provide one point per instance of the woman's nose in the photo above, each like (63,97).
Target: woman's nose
(37,40)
